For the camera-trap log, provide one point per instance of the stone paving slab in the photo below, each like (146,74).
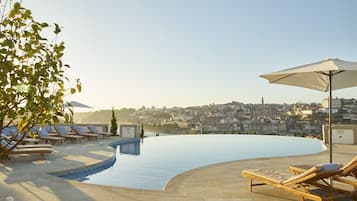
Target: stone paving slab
(27,178)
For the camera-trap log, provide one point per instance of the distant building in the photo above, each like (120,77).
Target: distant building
(336,103)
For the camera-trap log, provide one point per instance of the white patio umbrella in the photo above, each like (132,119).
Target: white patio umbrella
(326,75)
(75,104)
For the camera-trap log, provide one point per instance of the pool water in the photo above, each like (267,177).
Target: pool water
(152,163)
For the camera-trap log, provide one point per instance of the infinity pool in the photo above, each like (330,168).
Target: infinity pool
(152,163)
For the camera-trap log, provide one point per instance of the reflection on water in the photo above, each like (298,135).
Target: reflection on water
(130,148)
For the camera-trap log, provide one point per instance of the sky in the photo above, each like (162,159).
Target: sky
(133,53)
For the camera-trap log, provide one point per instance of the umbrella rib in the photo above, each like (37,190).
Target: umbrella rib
(341,71)
(283,77)
(320,72)
(326,82)
(333,74)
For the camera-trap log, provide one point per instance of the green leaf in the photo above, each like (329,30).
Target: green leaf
(79,87)
(35,27)
(59,114)
(66,118)
(3,51)
(55,119)
(44,25)
(8,43)
(73,90)
(17,6)
(57,29)
(27,14)
(11,114)
(22,124)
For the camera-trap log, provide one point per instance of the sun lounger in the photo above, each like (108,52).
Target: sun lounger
(303,185)
(93,129)
(80,131)
(15,135)
(61,130)
(25,150)
(348,170)
(44,135)
(10,143)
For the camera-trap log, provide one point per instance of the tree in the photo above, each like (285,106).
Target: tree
(114,125)
(32,80)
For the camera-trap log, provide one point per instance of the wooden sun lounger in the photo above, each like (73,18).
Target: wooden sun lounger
(25,146)
(302,185)
(94,130)
(6,142)
(26,149)
(44,135)
(347,171)
(79,131)
(53,139)
(64,133)
(15,135)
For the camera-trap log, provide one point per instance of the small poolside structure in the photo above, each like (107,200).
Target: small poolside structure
(341,134)
(129,130)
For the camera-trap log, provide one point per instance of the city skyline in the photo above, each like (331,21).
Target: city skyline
(187,53)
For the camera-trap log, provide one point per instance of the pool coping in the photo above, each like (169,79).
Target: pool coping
(95,167)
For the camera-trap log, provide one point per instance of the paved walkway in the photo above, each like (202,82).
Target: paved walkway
(26,178)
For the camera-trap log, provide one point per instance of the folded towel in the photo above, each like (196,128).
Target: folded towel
(329,166)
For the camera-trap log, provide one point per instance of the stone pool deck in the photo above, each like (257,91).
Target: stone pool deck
(27,178)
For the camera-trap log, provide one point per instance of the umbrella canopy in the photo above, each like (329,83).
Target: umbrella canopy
(76,104)
(326,75)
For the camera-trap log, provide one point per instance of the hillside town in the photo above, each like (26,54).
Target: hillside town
(235,117)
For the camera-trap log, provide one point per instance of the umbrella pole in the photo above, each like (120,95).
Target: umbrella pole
(330,115)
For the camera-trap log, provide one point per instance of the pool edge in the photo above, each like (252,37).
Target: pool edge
(95,167)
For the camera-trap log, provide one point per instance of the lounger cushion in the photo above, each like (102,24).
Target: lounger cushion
(43,132)
(7,144)
(78,129)
(61,130)
(92,129)
(6,131)
(3,136)
(318,169)
(81,130)
(329,166)
(34,129)
(49,128)
(13,130)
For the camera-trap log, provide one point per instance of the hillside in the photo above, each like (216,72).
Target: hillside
(104,116)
